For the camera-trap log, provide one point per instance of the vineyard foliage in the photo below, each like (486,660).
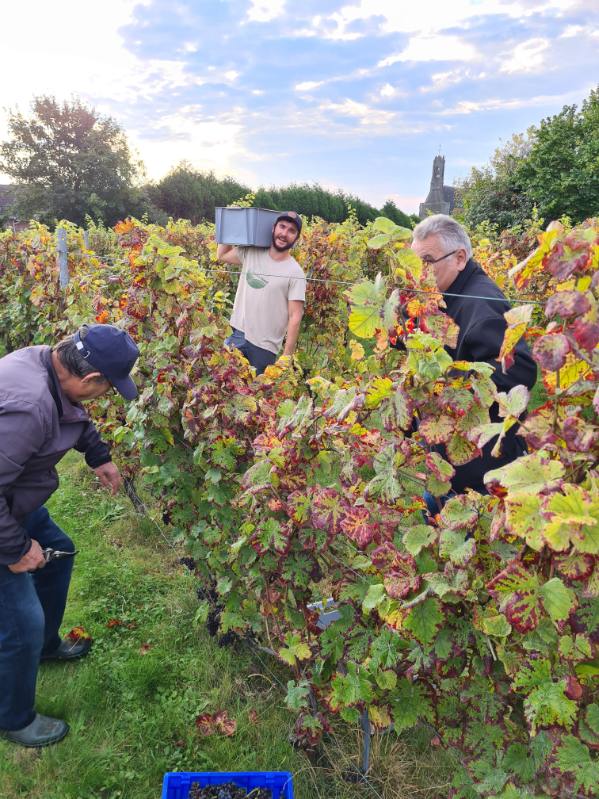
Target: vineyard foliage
(305,484)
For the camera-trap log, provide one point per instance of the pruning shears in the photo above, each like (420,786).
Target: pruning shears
(57,554)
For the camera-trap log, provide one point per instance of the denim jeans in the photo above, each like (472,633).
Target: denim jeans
(258,357)
(31,611)
(435,504)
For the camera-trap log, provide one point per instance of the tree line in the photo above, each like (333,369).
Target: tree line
(68,161)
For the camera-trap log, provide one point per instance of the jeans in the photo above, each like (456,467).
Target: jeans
(435,504)
(31,611)
(258,357)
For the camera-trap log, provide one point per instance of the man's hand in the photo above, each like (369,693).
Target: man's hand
(227,254)
(31,561)
(109,476)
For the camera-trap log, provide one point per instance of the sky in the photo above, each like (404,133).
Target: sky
(358,95)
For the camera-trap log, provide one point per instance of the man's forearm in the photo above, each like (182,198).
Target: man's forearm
(223,249)
(293,330)
(97,452)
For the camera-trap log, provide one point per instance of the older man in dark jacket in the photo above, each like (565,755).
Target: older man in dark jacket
(476,305)
(41,419)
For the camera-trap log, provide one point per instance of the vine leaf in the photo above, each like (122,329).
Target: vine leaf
(557,600)
(574,757)
(454,545)
(517,320)
(424,620)
(418,537)
(295,650)
(574,520)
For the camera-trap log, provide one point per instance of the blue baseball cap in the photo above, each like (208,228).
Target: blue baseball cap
(113,353)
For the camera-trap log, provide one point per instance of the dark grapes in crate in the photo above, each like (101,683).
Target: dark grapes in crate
(226,790)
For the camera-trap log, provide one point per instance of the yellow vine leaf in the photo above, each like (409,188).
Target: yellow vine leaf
(574,369)
(357,350)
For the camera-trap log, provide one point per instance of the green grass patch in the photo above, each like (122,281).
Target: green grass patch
(132,703)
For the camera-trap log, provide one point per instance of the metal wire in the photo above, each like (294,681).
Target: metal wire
(333,281)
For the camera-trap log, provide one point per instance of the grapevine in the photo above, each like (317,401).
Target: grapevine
(304,486)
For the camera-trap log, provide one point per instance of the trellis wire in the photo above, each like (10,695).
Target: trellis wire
(349,283)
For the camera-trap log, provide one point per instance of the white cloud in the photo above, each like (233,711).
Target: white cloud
(231,75)
(366,115)
(265,10)
(528,56)
(473,106)
(206,142)
(308,85)
(498,104)
(55,58)
(443,80)
(397,17)
(571,31)
(579,31)
(388,91)
(433,48)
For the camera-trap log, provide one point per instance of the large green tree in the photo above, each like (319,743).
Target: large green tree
(561,172)
(69,161)
(554,166)
(494,192)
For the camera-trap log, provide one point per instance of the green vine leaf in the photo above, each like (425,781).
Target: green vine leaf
(574,757)
(424,620)
(557,600)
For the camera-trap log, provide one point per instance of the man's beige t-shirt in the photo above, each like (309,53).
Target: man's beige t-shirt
(265,287)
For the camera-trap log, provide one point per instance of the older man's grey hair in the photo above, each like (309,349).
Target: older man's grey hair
(451,233)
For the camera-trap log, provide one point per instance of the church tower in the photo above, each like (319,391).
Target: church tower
(440,199)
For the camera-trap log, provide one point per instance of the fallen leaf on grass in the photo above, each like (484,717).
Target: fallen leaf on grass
(112,623)
(217,723)
(78,634)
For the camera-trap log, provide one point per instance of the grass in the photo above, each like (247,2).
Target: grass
(132,703)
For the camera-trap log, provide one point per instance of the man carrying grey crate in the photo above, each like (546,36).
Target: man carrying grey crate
(269,303)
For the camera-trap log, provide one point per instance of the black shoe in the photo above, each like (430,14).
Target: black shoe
(42,731)
(69,650)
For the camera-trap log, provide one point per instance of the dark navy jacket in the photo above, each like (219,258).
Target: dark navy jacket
(482,327)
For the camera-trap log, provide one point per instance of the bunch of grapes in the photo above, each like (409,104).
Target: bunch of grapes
(227,790)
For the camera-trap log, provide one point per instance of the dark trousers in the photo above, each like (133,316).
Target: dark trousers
(257,356)
(31,611)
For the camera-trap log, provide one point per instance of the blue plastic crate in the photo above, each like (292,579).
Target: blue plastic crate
(177,784)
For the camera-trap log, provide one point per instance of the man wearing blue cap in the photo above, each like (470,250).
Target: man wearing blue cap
(269,303)
(41,419)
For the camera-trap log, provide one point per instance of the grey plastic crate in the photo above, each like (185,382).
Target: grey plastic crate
(328,613)
(248,227)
